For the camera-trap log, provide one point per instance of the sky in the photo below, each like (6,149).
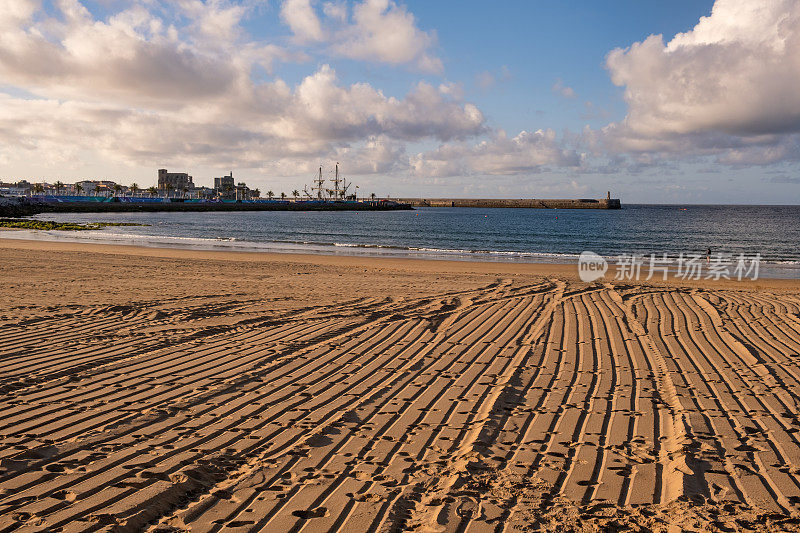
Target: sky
(689,101)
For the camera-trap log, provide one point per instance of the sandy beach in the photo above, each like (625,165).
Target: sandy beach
(152,389)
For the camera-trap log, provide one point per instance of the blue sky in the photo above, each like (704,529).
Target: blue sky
(537,43)
(680,102)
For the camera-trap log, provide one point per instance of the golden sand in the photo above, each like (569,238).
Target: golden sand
(169,390)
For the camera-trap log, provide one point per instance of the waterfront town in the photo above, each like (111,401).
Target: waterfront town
(177,191)
(169,185)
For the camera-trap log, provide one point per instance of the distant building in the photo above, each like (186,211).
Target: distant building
(225,187)
(86,187)
(203,193)
(176,181)
(19,188)
(97,188)
(243,192)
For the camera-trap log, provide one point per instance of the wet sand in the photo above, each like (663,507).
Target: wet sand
(176,390)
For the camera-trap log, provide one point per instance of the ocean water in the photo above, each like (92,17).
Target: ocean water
(520,235)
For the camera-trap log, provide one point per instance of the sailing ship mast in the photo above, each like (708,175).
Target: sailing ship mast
(319,181)
(336,182)
(345,186)
(340,186)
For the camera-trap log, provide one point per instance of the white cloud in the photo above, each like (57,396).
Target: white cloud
(301,18)
(336,11)
(182,83)
(454,90)
(215,19)
(729,86)
(16,12)
(319,108)
(376,155)
(486,80)
(265,126)
(373,30)
(785,149)
(526,153)
(386,32)
(137,88)
(133,56)
(563,90)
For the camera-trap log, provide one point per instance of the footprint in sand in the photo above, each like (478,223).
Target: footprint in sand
(65,495)
(147,474)
(306,514)
(367,498)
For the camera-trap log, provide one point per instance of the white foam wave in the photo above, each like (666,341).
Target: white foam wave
(306,246)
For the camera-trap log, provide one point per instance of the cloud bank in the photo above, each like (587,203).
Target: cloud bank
(726,87)
(137,86)
(373,30)
(526,153)
(157,83)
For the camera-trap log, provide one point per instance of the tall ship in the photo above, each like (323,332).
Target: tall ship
(339,192)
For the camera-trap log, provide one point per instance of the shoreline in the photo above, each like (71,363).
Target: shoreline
(467,235)
(421,264)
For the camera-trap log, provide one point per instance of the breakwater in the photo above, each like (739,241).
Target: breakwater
(18,206)
(533,203)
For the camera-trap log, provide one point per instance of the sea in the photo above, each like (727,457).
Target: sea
(769,233)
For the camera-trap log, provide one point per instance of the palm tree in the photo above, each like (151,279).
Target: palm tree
(152,191)
(270,194)
(168,187)
(117,189)
(255,193)
(295,193)
(38,188)
(283,196)
(185,190)
(372,196)
(58,185)
(134,188)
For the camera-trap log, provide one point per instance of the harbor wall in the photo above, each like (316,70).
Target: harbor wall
(533,203)
(17,207)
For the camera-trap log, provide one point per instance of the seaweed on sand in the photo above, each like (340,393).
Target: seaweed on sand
(49,225)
